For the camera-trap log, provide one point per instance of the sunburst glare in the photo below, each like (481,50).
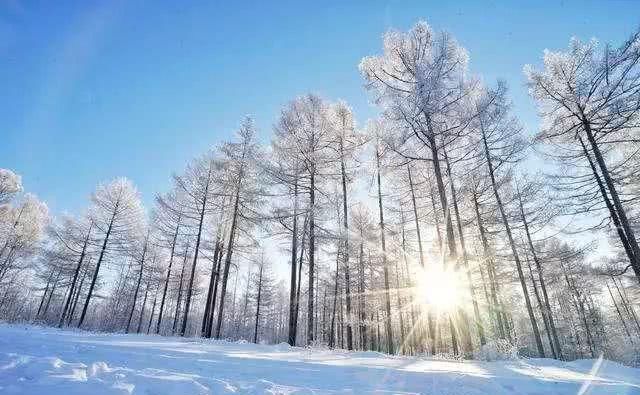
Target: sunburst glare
(439,287)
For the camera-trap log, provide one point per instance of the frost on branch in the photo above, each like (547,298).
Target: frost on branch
(10,184)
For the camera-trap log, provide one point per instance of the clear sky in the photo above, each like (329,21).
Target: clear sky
(92,90)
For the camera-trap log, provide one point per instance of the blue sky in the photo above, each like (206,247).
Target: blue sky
(94,90)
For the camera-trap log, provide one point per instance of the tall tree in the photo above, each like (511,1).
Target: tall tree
(587,93)
(240,175)
(117,214)
(501,143)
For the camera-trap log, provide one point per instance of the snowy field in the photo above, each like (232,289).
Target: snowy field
(48,361)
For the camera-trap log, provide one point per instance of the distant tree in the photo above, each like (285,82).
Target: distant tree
(264,292)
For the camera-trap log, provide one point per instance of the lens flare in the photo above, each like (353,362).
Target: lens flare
(439,288)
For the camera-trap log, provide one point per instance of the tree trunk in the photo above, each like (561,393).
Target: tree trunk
(291,338)
(218,263)
(135,294)
(176,315)
(144,304)
(612,212)
(255,331)
(44,294)
(335,300)
(345,220)
(78,293)
(67,303)
(246,301)
(208,306)
(312,253)
(415,332)
(625,303)
(451,241)
(546,308)
(385,269)
(541,307)
(622,215)
(490,272)
(361,295)
(299,283)
(402,348)
(166,281)
(97,269)
(227,262)
(53,290)
(467,269)
(415,216)
(153,310)
(532,318)
(430,324)
(622,320)
(196,250)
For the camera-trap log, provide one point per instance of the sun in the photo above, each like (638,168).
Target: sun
(439,288)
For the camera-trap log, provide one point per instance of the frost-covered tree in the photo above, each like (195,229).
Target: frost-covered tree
(168,220)
(21,226)
(240,182)
(589,99)
(198,187)
(10,185)
(306,132)
(419,80)
(118,216)
(263,293)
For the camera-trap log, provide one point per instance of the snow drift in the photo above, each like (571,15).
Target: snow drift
(37,360)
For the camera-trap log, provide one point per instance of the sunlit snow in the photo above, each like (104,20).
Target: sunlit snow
(35,360)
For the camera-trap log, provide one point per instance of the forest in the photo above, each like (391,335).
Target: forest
(440,228)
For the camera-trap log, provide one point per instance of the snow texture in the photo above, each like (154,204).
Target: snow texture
(37,360)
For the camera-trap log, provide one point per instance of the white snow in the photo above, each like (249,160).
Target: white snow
(36,360)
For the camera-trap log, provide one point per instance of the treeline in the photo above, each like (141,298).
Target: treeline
(536,232)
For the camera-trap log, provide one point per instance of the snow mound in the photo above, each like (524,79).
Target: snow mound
(36,360)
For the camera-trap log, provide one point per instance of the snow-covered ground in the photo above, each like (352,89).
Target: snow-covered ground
(39,361)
